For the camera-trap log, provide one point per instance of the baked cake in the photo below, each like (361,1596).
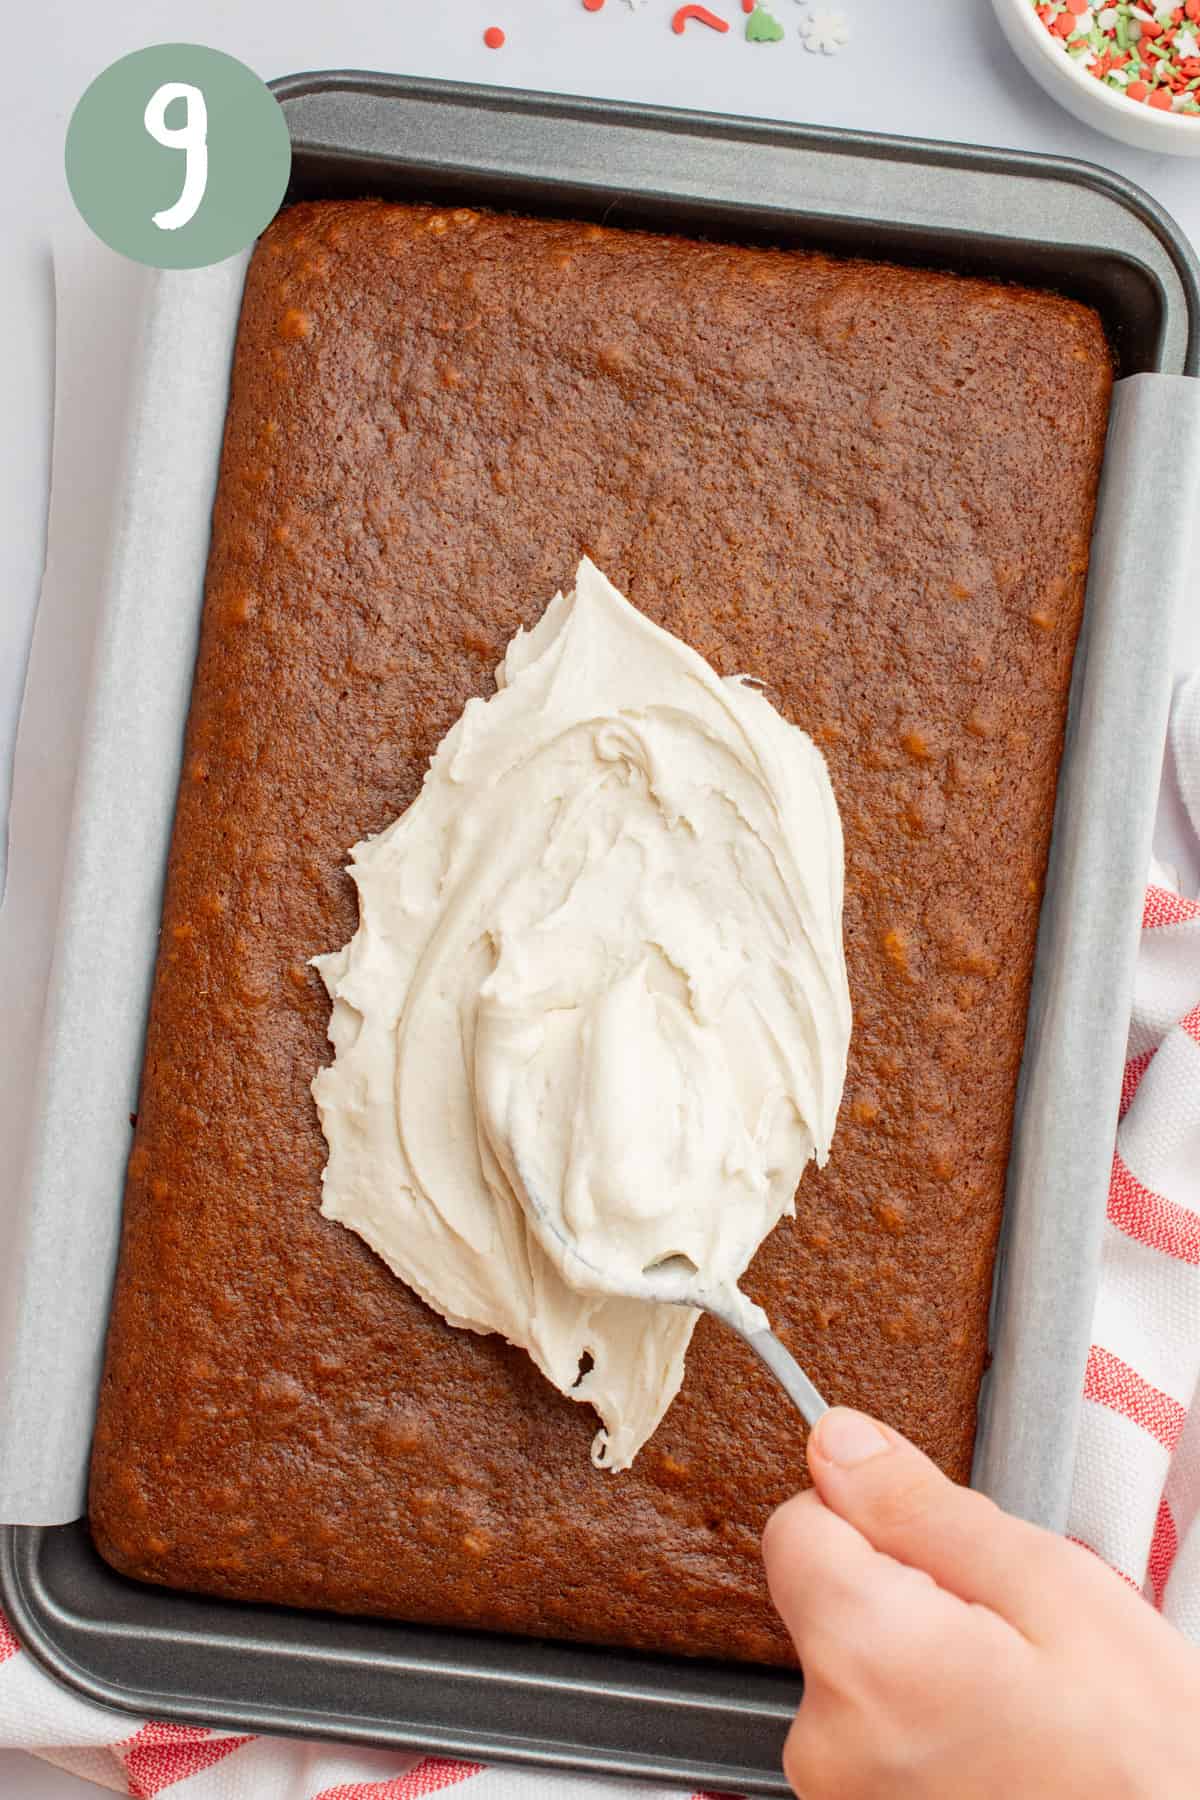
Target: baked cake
(871,486)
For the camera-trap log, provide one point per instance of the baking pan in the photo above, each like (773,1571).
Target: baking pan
(1036,219)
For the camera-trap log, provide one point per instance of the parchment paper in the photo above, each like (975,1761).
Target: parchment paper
(65,1106)
(58,1235)
(1142,569)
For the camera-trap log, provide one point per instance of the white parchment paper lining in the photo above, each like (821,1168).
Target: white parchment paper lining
(74,1038)
(76,1042)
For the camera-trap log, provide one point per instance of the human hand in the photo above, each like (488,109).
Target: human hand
(953,1652)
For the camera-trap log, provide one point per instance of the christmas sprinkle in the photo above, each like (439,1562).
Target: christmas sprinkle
(493,37)
(827,32)
(703,17)
(1149,54)
(592,5)
(762,28)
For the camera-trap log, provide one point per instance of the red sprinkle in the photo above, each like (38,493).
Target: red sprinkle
(493,37)
(1166,79)
(748,6)
(697,12)
(592,5)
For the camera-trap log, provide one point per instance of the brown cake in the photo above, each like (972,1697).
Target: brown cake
(871,486)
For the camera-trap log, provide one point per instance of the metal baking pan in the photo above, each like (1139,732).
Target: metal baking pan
(1037,219)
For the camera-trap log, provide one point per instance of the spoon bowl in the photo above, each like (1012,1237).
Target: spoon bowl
(673,1281)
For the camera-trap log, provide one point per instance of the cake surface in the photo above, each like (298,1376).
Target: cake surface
(872,488)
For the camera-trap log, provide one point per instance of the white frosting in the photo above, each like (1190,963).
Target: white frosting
(603,944)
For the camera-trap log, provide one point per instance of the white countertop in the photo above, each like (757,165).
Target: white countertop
(935,68)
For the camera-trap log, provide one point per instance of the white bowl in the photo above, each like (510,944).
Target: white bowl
(1178,134)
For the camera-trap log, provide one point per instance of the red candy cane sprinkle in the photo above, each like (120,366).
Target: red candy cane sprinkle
(702,15)
(1148,51)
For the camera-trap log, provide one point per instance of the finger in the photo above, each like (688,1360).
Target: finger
(817,1565)
(810,1760)
(838,1595)
(898,1500)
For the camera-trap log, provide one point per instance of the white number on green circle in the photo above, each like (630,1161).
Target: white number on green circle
(191,137)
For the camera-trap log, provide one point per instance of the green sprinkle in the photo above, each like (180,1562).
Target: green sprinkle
(762,27)
(1152,63)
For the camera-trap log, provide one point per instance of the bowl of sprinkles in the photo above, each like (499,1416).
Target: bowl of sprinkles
(1128,69)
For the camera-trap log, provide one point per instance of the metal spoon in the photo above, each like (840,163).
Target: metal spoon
(675,1282)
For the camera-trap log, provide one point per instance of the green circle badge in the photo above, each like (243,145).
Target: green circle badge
(177,156)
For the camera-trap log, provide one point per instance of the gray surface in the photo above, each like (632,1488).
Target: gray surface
(715,1727)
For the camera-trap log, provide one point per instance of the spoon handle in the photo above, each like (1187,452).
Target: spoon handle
(790,1376)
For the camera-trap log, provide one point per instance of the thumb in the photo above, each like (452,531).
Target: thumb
(905,1507)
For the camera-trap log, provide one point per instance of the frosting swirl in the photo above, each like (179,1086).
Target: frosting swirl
(605,941)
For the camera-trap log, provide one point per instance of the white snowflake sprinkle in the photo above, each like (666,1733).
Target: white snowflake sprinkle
(1106,19)
(1185,44)
(827,32)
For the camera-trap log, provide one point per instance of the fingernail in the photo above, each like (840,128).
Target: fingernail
(847,1438)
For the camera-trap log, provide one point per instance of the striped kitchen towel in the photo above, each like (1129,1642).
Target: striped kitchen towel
(1136,1498)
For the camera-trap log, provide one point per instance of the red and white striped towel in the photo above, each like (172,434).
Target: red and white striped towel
(1136,1498)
